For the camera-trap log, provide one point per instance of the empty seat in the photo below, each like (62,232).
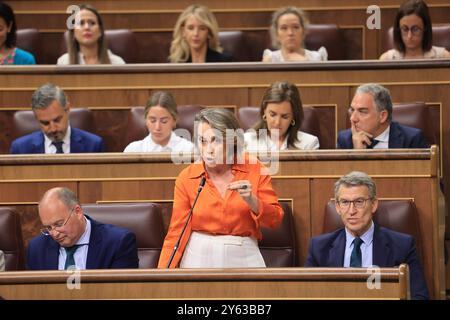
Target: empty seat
(397,215)
(137,129)
(233,42)
(248,116)
(11,242)
(30,40)
(121,42)
(328,36)
(24,121)
(441,38)
(278,246)
(143,219)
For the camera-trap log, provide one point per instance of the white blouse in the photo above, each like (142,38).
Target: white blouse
(175,144)
(64,59)
(434,53)
(277,56)
(253,142)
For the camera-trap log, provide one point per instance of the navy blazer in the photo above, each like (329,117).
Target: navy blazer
(400,136)
(110,247)
(80,142)
(390,249)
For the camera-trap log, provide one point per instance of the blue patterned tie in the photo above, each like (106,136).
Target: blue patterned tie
(70,260)
(58,145)
(373,144)
(356,257)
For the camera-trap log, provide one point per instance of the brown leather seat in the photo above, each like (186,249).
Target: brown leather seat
(416,115)
(233,42)
(278,246)
(248,116)
(24,121)
(137,130)
(441,37)
(397,215)
(328,36)
(11,242)
(121,42)
(143,219)
(30,40)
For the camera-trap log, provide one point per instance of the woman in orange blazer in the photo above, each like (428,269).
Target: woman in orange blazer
(236,201)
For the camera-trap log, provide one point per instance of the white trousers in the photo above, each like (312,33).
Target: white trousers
(210,251)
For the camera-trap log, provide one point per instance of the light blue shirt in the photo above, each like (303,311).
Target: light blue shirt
(80,255)
(366,247)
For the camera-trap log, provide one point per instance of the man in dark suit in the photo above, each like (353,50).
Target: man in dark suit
(51,109)
(70,239)
(362,243)
(372,126)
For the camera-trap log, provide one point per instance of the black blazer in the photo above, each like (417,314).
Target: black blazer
(214,56)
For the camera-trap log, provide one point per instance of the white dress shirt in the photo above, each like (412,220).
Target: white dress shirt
(51,148)
(255,142)
(2,261)
(366,247)
(80,255)
(383,139)
(175,144)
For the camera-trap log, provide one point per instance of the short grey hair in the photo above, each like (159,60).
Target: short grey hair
(67,196)
(354,179)
(381,97)
(45,95)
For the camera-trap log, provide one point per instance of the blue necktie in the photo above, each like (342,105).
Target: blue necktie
(356,256)
(373,144)
(58,145)
(70,260)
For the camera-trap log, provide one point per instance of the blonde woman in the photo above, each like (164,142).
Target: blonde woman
(86,43)
(196,37)
(287,32)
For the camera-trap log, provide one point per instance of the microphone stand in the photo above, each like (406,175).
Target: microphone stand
(177,244)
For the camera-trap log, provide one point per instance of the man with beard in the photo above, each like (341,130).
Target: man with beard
(51,109)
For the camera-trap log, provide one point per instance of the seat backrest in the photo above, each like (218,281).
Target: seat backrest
(278,246)
(137,130)
(143,219)
(121,42)
(248,116)
(24,121)
(30,40)
(397,215)
(416,115)
(328,36)
(441,37)
(234,43)
(11,241)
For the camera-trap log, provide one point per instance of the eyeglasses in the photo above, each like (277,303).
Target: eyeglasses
(47,229)
(415,30)
(357,203)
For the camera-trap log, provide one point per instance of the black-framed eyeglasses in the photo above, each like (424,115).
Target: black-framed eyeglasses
(415,30)
(45,230)
(359,203)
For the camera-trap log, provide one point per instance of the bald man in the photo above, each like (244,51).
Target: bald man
(70,239)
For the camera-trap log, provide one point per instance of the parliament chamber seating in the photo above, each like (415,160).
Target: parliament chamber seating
(278,246)
(30,40)
(137,130)
(397,215)
(441,37)
(121,42)
(11,242)
(143,219)
(248,116)
(327,35)
(24,121)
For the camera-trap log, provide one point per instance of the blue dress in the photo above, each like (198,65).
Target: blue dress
(18,56)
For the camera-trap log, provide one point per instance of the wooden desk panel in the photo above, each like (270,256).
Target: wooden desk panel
(304,179)
(292,283)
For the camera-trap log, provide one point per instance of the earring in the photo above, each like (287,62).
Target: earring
(293,122)
(264,117)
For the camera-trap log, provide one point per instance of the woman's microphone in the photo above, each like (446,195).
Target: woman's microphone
(175,248)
